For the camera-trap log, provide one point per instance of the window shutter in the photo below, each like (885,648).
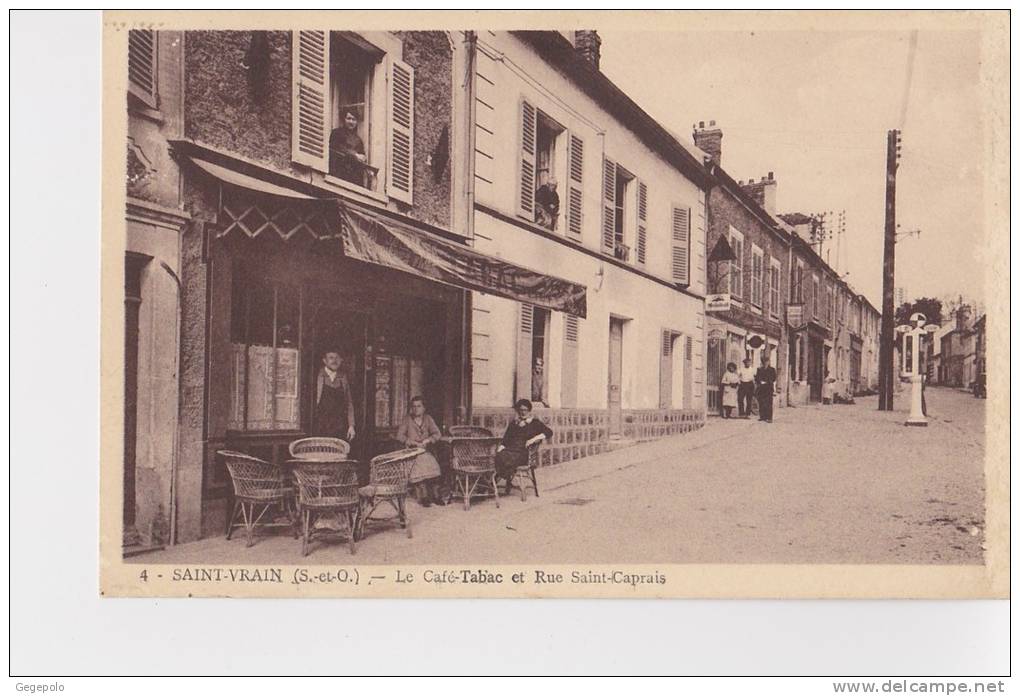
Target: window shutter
(666,369)
(688,372)
(681,264)
(575,188)
(310,113)
(642,230)
(400,138)
(608,206)
(142,65)
(525,330)
(571,339)
(526,193)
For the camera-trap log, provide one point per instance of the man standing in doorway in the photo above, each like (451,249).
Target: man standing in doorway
(745,391)
(765,379)
(334,407)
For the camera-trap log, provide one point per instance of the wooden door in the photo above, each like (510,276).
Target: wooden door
(615,376)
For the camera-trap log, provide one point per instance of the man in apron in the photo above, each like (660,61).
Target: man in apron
(334,407)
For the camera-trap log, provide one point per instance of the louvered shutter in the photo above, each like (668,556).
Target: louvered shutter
(681,252)
(400,135)
(642,215)
(608,206)
(142,65)
(310,113)
(525,330)
(766,283)
(575,188)
(526,181)
(571,340)
(666,369)
(688,372)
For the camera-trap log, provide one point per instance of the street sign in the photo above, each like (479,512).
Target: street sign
(719,302)
(755,342)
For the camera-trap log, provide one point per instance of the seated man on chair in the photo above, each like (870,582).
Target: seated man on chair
(513,451)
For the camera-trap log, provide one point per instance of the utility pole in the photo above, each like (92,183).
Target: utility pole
(886,370)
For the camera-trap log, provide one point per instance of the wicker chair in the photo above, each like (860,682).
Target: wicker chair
(257,484)
(469,431)
(328,488)
(319,448)
(388,483)
(526,472)
(473,462)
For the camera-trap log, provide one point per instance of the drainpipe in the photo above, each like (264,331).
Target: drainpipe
(177,416)
(466,387)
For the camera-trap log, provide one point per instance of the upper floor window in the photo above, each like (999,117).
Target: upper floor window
(617,182)
(142,46)
(798,282)
(737,265)
(757,275)
(551,166)
(353,111)
(774,272)
(816,297)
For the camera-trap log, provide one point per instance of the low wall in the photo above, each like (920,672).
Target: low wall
(580,433)
(652,424)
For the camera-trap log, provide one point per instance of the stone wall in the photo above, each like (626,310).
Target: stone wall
(651,424)
(580,433)
(229,108)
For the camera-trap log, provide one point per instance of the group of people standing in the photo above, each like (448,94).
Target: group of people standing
(740,387)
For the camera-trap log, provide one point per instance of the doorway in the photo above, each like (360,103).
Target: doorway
(345,331)
(615,377)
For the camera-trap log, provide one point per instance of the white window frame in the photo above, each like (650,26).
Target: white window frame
(757,281)
(737,266)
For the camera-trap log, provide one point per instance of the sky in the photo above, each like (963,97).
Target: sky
(814,107)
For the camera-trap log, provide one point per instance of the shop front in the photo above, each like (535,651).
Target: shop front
(808,356)
(291,278)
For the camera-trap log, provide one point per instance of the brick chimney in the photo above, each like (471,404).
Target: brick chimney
(763,192)
(588,44)
(709,139)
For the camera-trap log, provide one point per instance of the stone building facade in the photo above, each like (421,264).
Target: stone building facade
(155,219)
(746,317)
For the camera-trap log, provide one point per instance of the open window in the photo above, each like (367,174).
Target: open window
(352,74)
(353,111)
(617,185)
(539,183)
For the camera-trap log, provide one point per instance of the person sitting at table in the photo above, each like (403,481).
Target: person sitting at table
(513,450)
(419,430)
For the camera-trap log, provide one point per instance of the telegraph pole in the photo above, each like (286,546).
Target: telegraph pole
(886,370)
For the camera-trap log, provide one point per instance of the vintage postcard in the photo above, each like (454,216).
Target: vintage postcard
(524,304)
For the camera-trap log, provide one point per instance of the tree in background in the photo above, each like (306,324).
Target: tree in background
(930,307)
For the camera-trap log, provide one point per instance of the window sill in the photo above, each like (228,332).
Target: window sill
(353,188)
(137,108)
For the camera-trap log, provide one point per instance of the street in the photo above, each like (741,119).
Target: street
(822,484)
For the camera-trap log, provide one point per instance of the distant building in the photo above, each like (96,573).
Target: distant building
(750,322)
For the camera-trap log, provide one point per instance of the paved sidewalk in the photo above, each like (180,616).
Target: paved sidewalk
(823,484)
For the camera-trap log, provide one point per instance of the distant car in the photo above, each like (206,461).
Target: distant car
(979,387)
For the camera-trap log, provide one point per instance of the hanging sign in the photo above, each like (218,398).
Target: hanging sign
(719,302)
